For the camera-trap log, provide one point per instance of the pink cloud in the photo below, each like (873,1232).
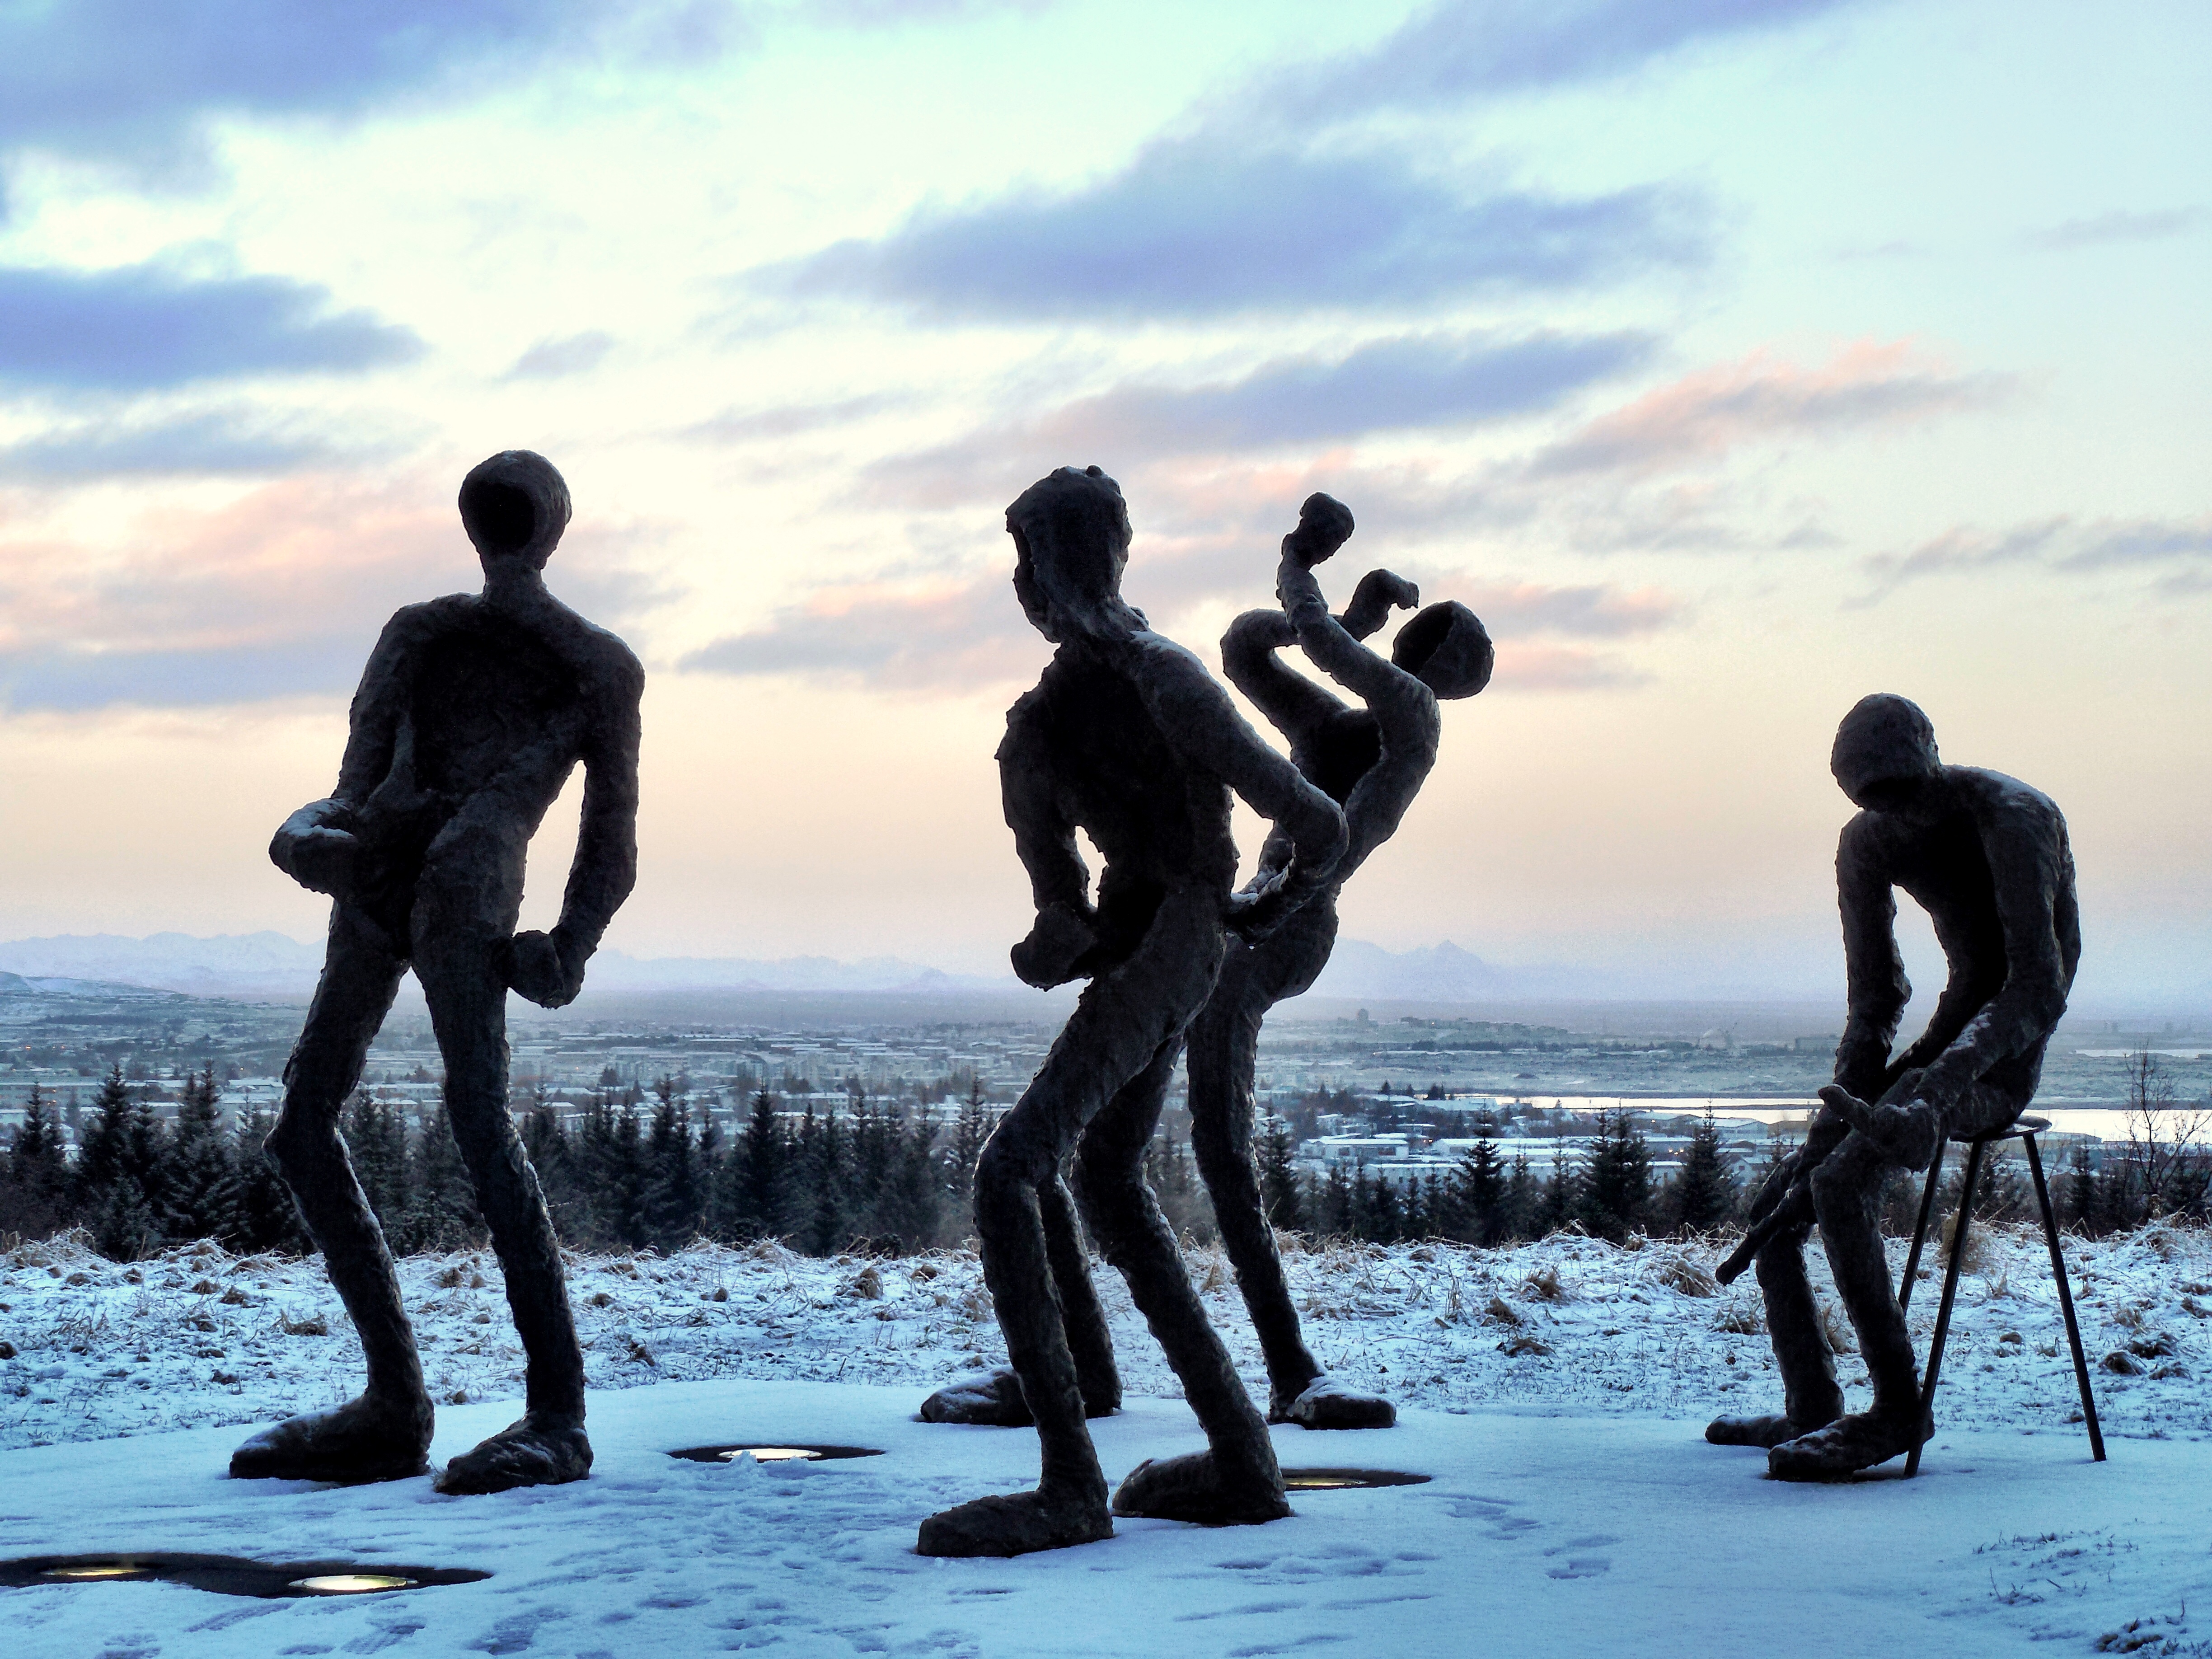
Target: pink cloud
(1761,399)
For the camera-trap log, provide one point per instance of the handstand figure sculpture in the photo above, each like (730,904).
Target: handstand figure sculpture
(1126,737)
(1372,760)
(1987,858)
(472,714)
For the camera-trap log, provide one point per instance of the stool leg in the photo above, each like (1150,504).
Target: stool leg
(2066,1301)
(1920,1229)
(1950,1295)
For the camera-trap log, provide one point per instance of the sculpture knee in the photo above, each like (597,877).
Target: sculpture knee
(302,1143)
(1006,1169)
(1845,1186)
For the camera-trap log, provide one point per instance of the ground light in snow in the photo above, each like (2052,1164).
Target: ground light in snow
(729,1454)
(228,1575)
(1347,1479)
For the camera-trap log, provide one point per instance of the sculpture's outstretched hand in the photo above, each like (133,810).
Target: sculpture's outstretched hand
(1053,951)
(314,848)
(1324,525)
(546,969)
(1379,592)
(1911,1134)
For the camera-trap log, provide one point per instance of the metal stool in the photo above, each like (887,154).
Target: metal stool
(2026,1128)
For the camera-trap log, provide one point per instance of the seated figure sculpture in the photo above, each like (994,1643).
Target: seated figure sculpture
(1373,761)
(472,714)
(1987,858)
(1126,738)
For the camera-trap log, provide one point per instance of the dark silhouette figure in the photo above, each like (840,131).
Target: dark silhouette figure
(1987,858)
(1128,738)
(1372,761)
(472,712)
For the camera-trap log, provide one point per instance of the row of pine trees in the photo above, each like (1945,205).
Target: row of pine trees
(637,1170)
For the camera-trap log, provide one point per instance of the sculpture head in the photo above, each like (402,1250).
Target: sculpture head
(1446,647)
(1071,535)
(514,506)
(1884,754)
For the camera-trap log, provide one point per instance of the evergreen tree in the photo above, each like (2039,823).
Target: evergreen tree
(1520,1201)
(376,1146)
(1338,1205)
(825,1173)
(441,1207)
(196,1191)
(1703,1195)
(262,1215)
(1279,1178)
(754,1176)
(1616,1178)
(1480,1189)
(34,1196)
(551,1155)
(119,1172)
(1555,1203)
(669,1200)
(969,1131)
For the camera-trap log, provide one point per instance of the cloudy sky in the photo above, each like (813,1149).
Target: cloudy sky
(1732,358)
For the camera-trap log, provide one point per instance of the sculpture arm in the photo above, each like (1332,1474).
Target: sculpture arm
(1874,971)
(316,846)
(1044,841)
(1197,717)
(2029,864)
(1294,704)
(605,869)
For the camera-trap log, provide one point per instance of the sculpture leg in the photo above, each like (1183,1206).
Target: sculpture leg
(994,1399)
(1118,1028)
(1810,1398)
(1846,1196)
(1236,1479)
(460,957)
(1222,1052)
(385,1433)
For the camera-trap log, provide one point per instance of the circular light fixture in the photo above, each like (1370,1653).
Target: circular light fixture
(772,1453)
(350,1584)
(104,1569)
(1343,1479)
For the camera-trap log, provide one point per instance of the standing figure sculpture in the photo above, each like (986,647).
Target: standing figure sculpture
(1373,761)
(472,714)
(1128,738)
(1987,858)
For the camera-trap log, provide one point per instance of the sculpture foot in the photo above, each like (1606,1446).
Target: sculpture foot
(543,1449)
(363,1440)
(1767,1432)
(1326,1403)
(1847,1445)
(994,1399)
(1191,1488)
(1016,1524)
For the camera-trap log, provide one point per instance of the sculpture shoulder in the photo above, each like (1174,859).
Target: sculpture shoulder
(1869,844)
(2007,805)
(413,623)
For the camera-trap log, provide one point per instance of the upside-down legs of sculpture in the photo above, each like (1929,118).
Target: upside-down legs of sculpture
(472,714)
(1126,738)
(1987,858)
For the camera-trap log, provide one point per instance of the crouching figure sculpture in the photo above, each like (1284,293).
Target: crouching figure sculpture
(1128,738)
(1987,858)
(472,712)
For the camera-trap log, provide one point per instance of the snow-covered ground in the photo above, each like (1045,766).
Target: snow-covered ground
(1554,1391)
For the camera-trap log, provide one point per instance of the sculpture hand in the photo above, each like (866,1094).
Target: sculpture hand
(1256,912)
(1324,525)
(1910,1135)
(1379,592)
(540,968)
(1056,945)
(314,851)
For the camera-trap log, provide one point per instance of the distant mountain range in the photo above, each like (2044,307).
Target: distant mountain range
(269,964)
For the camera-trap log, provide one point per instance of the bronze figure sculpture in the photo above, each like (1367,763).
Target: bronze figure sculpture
(1372,761)
(1128,738)
(472,714)
(1987,858)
